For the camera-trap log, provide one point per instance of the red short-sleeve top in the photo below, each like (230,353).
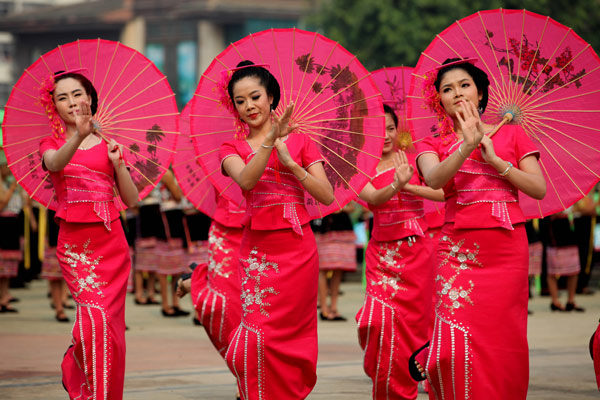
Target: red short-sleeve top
(402,215)
(228,213)
(478,196)
(277,200)
(85,188)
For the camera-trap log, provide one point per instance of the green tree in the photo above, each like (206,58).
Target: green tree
(395,32)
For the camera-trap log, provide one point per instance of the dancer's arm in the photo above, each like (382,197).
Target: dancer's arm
(402,174)
(248,175)
(127,189)
(57,160)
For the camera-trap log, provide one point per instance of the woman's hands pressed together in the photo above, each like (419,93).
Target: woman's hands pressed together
(403,171)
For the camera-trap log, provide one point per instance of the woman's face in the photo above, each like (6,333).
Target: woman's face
(457,86)
(68,95)
(390,134)
(252,102)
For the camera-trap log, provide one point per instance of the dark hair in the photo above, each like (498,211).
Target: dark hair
(267,80)
(389,110)
(479,77)
(87,86)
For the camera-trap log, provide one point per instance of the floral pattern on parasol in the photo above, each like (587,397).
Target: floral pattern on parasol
(136,107)
(394,83)
(544,77)
(337,106)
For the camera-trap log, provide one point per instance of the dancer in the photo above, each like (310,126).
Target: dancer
(337,253)
(273,352)
(51,270)
(479,344)
(92,249)
(395,315)
(215,287)
(11,234)
(562,259)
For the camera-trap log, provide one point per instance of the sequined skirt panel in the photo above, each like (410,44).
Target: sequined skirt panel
(95,264)
(273,352)
(479,345)
(394,319)
(216,285)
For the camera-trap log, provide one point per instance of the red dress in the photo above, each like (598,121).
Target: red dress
(394,319)
(479,344)
(215,288)
(94,258)
(273,352)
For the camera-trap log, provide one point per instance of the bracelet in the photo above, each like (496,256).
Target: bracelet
(393,187)
(266,147)
(507,170)
(461,153)
(304,177)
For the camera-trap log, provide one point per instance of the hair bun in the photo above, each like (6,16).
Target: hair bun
(244,63)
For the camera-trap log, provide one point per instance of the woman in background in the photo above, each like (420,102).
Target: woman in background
(394,319)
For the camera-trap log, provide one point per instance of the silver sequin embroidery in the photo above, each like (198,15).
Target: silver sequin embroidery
(84,282)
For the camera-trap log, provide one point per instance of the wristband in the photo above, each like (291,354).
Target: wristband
(507,170)
(304,177)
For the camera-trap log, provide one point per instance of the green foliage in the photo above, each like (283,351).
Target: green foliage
(395,32)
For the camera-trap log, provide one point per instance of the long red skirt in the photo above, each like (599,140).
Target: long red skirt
(479,345)
(273,352)
(95,264)
(394,319)
(216,289)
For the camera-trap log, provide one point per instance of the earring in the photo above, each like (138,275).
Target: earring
(271,107)
(480,110)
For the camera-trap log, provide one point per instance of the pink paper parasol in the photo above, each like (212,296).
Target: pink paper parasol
(394,84)
(337,105)
(194,183)
(136,107)
(544,75)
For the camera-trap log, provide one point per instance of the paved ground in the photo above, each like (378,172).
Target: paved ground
(171,359)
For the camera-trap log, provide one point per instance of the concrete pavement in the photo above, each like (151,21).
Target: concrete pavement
(170,359)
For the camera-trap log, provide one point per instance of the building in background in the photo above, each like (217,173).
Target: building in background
(180,36)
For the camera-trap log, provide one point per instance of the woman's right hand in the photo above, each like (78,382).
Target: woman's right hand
(83,120)
(470,125)
(403,170)
(281,126)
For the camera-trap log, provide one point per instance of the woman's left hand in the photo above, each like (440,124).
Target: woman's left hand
(487,150)
(283,153)
(115,153)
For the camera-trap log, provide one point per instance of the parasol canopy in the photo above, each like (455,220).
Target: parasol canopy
(136,107)
(544,76)
(194,183)
(336,104)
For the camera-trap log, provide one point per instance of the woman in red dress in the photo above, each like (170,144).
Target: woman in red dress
(273,352)
(395,316)
(479,344)
(92,249)
(215,287)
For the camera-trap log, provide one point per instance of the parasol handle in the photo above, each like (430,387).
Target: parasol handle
(98,130)
(508,116)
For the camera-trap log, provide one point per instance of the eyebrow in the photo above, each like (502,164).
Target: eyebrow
(251,93)
(64,94)
(462,80)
